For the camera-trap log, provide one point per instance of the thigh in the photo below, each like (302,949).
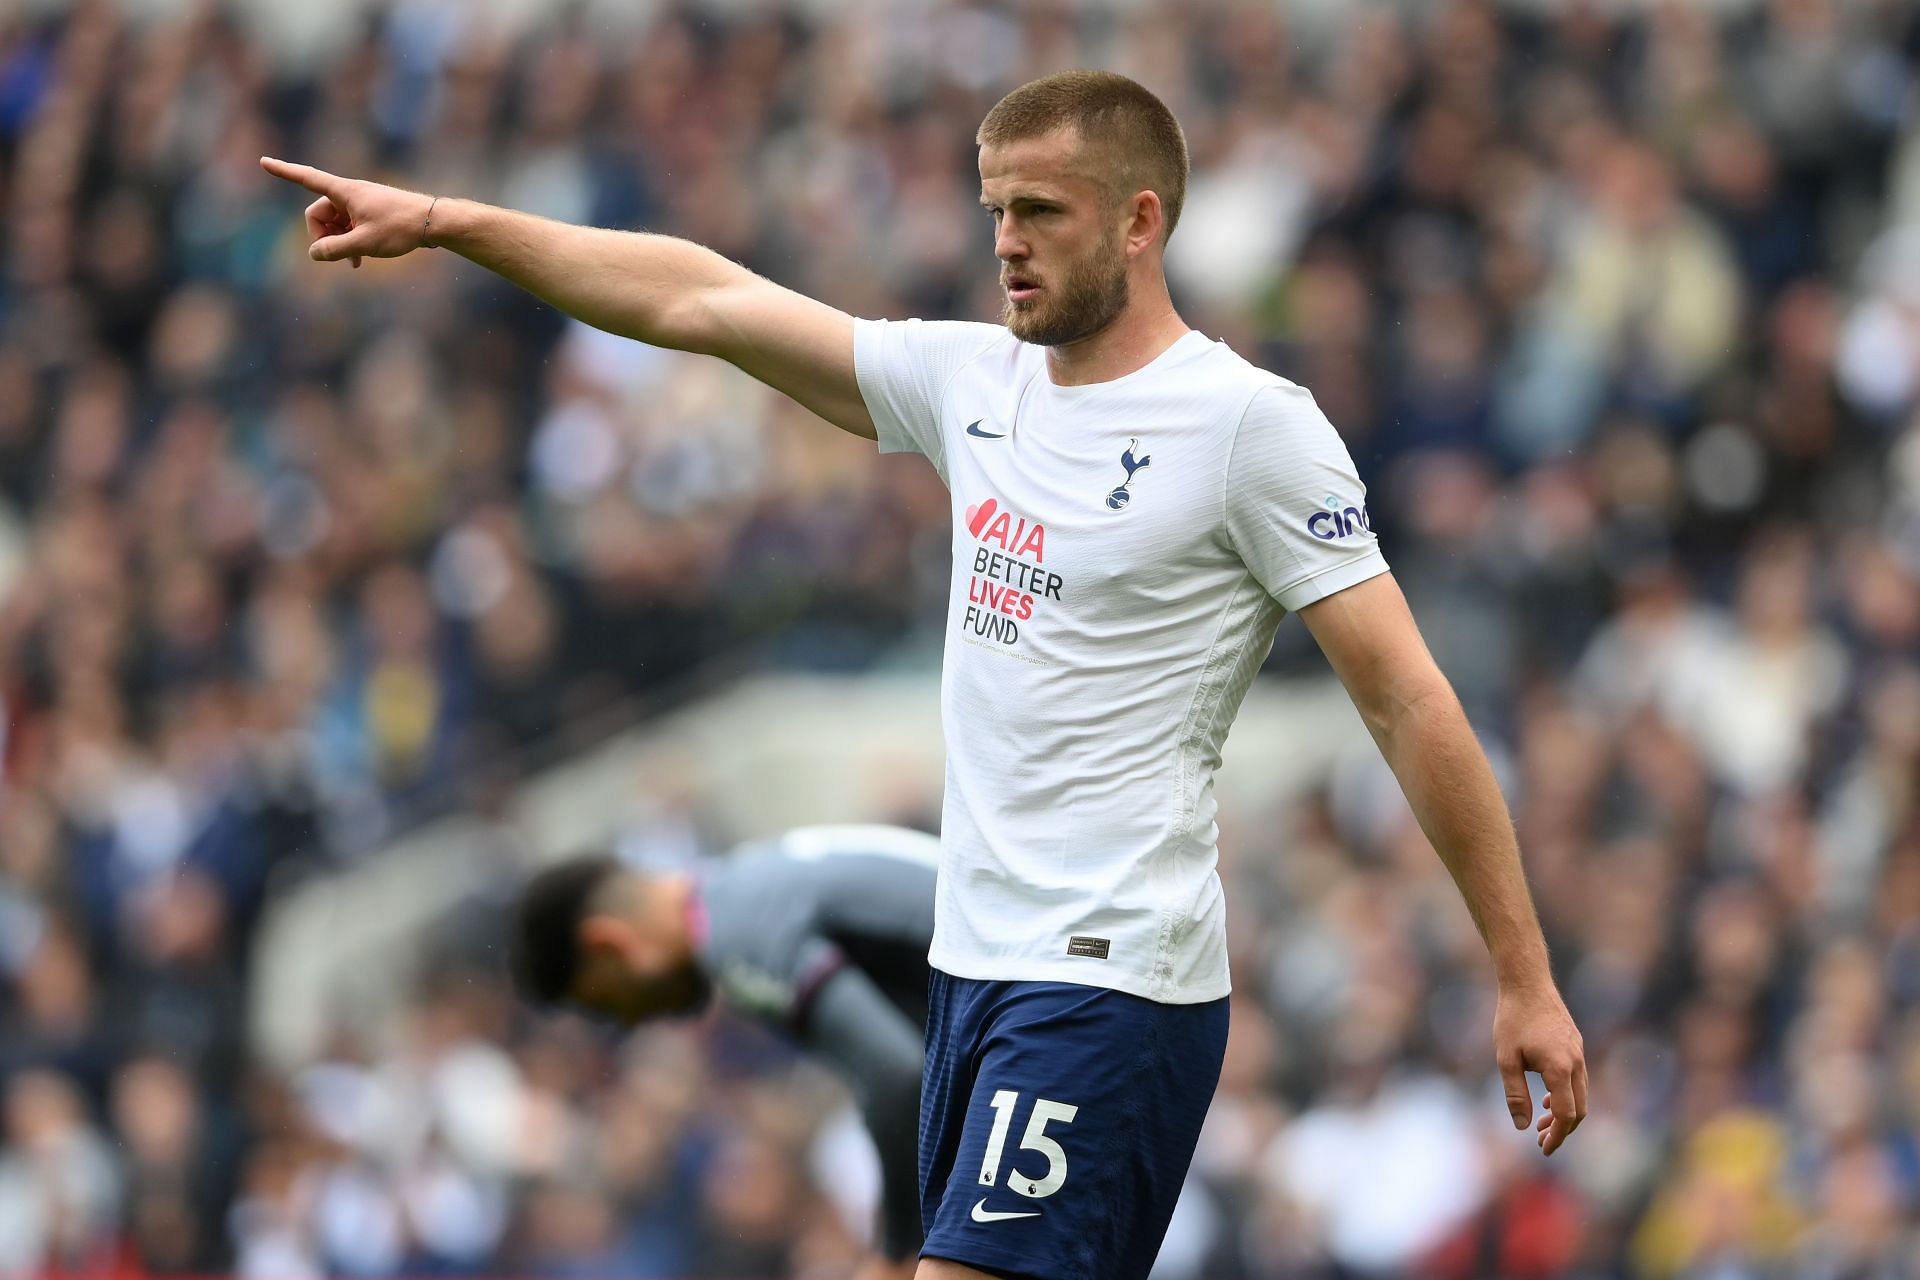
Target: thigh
(1068,1147)
(941,1269)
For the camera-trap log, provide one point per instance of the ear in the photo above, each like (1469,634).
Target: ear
(1143,230)
(609,933)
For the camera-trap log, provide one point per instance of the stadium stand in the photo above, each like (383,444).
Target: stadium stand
(1617,305)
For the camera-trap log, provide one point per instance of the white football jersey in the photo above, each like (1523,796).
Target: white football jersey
(1122,553)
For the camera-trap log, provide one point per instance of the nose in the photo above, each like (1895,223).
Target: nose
(1009,242)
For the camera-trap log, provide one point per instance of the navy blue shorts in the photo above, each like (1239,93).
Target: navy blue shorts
(1057,1122)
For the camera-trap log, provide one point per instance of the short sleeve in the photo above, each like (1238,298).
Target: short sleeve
(904,368)
(1296,511)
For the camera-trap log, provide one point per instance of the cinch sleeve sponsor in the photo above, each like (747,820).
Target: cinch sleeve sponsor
(1295,508)
(904,367)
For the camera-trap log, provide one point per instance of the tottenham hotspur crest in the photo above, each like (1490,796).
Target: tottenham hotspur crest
(1119,497)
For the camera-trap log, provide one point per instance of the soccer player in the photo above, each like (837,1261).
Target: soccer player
(821,934)
(1134,509)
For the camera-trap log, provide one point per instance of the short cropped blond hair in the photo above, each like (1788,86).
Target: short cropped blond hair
(1136,143)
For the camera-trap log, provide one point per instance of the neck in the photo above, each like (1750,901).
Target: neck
(1137,337)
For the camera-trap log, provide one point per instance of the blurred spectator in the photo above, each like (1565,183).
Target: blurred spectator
(59,1187)
(177,1155)
(1618,307)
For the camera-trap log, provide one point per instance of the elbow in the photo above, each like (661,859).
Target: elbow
(1406,707)
(703,310)
(684,323)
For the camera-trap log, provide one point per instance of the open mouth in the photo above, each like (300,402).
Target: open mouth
(1021,289)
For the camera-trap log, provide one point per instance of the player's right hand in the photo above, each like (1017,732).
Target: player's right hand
(352,219)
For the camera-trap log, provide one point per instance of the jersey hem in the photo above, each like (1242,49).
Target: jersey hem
(889,432)
(1084,974)
(1332,581)
(894,435)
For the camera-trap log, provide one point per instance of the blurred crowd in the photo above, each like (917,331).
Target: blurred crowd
(1618,311)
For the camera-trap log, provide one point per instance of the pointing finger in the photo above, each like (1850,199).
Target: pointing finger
(318,181)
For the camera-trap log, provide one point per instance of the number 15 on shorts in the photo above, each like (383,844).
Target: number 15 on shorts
(1045,1112)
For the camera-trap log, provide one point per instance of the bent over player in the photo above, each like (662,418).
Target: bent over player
(821,934)
(1134,509)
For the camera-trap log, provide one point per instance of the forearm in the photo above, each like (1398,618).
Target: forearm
(667,292)
(1368,634)
(630,283)
(1430,746)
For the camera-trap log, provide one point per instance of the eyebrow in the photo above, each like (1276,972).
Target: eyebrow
(1024,197)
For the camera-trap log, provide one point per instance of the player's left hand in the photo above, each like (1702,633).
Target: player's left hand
(1532,1031)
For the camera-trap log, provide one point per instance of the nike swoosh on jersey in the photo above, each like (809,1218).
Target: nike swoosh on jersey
(982,1214)
(973,429)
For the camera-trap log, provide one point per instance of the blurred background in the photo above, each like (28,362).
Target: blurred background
(331,600)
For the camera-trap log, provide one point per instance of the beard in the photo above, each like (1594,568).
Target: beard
(683,992)
(1088,297)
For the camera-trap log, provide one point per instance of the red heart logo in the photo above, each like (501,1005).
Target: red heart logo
(978,515)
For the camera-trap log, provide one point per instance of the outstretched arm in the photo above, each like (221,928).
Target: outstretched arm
(1369,636)
(657,289)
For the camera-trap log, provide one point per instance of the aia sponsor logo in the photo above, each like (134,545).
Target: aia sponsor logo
(1009,577)
(1339,520)
(1012,534)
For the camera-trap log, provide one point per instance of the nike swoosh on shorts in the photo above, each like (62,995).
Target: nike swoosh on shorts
(982,1214)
